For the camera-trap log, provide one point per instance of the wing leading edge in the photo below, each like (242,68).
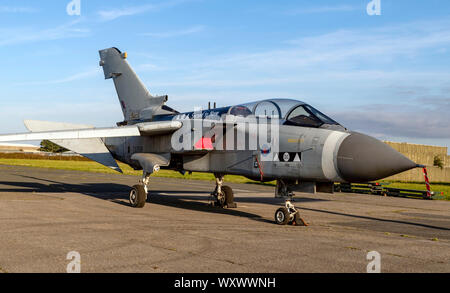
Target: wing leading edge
(141,129)
(86,140)
(73,134)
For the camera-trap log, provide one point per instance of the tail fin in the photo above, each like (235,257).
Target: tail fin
(135,99)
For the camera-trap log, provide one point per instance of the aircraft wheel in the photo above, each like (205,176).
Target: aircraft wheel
(138,196)
(296,219)
(229,196)
(226,198)
(282,216)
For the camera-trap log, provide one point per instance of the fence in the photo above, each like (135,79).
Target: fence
(424,155)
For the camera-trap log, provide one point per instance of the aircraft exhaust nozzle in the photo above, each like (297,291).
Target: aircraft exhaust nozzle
(362,158)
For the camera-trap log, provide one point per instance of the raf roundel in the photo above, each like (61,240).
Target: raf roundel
(265,150)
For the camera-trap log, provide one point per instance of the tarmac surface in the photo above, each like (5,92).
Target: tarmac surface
(45,214)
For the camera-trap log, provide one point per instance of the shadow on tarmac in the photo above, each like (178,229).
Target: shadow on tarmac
(117,193)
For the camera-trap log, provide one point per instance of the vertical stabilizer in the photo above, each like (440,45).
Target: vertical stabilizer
(134,98)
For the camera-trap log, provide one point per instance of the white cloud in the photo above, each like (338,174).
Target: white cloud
(344,55)
(346,47)
(101,113)
(429,119)
(323,9)
(212,79)
(177,33)
(74,77)
(14,36)
(15,9)
(107,15)
(147,67)
(112,14)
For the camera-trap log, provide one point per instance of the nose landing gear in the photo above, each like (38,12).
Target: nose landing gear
(287,214)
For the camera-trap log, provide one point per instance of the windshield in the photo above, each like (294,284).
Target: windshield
(306,115)
(324,118)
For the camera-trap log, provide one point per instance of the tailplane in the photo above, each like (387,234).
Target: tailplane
(136,101)
(91,148)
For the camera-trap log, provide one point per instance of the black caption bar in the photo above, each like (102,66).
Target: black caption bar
(218,282)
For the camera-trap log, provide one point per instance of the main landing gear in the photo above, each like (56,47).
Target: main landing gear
(223,195)
(139,192)
(287,214)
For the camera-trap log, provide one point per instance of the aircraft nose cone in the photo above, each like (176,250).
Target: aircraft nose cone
(362,158)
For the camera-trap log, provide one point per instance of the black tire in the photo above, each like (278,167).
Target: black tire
(227,199)
(229,195)
(296,221)
(282,216)
(138,196)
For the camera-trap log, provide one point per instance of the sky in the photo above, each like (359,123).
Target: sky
(385,75)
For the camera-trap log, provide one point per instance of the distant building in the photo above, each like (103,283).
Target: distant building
(18,147)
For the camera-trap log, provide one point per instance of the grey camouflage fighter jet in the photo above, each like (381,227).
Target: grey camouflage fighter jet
(307,150)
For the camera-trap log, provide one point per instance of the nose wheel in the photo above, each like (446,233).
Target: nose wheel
(289,215)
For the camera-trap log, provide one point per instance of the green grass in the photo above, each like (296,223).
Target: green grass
(89,166)
(37,156)
(437,187)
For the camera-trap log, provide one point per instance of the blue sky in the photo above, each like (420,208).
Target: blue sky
(387,75)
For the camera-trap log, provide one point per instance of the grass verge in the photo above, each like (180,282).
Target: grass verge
(437,187)
(89,166)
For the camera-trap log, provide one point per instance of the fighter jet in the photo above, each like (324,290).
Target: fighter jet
(285,140)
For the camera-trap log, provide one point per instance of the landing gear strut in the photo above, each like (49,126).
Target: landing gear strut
(223,195)
(287,214)
(139,192)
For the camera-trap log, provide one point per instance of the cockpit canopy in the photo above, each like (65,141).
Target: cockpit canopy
(293,112)
(290,112)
